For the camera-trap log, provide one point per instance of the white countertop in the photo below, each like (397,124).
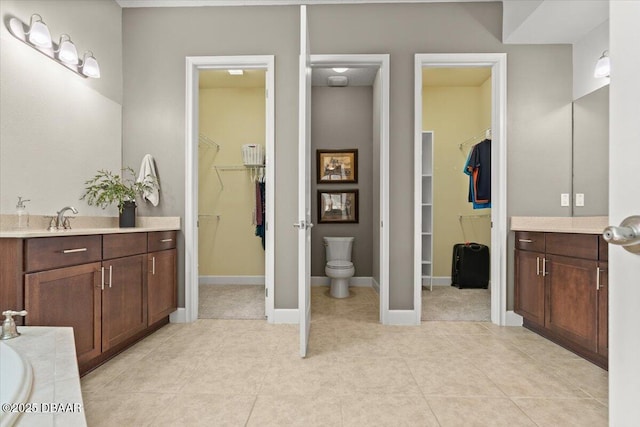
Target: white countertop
(550,224)
(87,225)
(56,382)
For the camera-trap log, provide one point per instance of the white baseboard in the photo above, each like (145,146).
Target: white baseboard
(231,280)
(442,281)
(178,316)
(363,282)
(285,315)
(512,319)
(402,317)
(375,285)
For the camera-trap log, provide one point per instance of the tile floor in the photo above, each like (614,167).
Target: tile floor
(231,302)
(451,303)
(357,373)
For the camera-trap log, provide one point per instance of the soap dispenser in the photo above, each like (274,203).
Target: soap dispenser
(21,212)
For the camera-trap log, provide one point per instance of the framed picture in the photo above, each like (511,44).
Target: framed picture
(337,206)
(337,166)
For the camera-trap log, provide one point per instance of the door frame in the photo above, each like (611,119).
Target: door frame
(193,65)
(381,61)
(498,64)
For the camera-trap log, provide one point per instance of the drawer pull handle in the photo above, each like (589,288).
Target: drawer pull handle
(537,266)
(544,267)
(73,251)
(166,240)
(525,240)
(102,280)
(598,279)
(110,275)
(153,266)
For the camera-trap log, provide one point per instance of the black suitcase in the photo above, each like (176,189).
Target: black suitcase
(470,266)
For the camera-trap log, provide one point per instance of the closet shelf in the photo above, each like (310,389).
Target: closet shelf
(228,168)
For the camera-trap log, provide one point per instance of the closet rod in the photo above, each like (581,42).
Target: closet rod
(461,217)
(485,134)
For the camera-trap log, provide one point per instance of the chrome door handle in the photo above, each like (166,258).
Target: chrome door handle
(627,235)
(537,266)
(302,225)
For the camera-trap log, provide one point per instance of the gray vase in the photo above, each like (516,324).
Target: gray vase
(128,215)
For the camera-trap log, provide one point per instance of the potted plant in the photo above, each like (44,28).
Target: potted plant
(106,188)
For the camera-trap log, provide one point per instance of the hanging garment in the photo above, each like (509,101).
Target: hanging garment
(478,167)
(260,211)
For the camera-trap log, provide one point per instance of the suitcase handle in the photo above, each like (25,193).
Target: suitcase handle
(475,247)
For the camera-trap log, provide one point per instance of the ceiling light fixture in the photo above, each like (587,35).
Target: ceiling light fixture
(67,51)
(236,72)
(37,36)
(38,32)
(603,66)
(340,69)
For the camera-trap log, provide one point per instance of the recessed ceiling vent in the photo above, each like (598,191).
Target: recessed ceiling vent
(337,81)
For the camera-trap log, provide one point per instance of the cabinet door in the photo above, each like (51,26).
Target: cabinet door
(161,284)
(68,297)
(603,310)
(124,300)
(572,300)
(529,286)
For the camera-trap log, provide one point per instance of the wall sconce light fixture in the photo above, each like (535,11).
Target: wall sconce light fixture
(603,66)
(37,36)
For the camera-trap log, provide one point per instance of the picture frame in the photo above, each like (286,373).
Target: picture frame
(340,206)
(337,166)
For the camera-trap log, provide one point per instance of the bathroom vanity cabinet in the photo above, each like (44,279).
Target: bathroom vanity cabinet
(561,290)
(113,289)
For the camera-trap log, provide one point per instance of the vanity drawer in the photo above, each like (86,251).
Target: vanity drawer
(47,253)
(573,245)
(119,245)
(530,241)
(161,240)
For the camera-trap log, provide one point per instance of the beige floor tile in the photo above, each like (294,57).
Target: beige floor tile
(454,377)
(590,378)
(478,412)
(226,375)
(565,412)
(277,411)
(520,380)
(376,376)
(205,410)
(296,376)
(386,410)
(124,408)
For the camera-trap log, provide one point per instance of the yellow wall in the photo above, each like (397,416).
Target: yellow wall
(228,245)
(454,114)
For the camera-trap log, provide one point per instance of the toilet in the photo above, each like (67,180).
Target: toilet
(339,267)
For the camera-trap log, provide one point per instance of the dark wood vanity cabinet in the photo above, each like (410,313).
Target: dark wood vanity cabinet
(561,290)
(110,288)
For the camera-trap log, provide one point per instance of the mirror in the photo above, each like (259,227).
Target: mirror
(591,153)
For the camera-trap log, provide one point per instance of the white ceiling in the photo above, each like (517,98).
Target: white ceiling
(523,21)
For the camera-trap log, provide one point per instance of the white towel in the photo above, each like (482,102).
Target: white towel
(148,168)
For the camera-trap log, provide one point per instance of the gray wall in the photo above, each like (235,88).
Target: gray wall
(342,118)
(538,103)
(156,42)
(56,127)
(591,152)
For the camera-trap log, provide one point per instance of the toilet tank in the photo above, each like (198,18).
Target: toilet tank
(338,248)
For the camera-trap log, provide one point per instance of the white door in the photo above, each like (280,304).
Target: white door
(624,199)
(304,186)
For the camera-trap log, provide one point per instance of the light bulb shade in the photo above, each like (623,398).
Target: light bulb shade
(340,69)
(67,51)
(39,32)
(90,67)
(603,67)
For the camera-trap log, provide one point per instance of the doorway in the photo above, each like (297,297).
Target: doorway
(246,171)
(363,81)
(498,222)
(231,184)
(457,127)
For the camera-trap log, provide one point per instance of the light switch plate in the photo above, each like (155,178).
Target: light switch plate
(564,199)
(579,199)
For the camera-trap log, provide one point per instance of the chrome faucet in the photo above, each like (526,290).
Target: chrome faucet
(60,219)
(9,328)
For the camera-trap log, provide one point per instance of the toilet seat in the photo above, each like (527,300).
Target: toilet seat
(340,265)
